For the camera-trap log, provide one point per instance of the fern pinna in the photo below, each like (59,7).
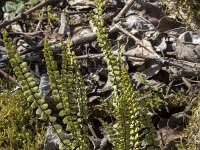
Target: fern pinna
(133,128)
(67,89)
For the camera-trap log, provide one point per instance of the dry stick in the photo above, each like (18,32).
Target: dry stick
(76,41)
(17,18)
(127,33)
(8,76)
(92,56)
(124,10)
(75,12)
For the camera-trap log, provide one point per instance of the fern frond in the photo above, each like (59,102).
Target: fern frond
(65,88)
(133,128)
(76,96)
(106,47)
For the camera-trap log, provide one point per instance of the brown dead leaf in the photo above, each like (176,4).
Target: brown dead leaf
(143,49)
(167,137)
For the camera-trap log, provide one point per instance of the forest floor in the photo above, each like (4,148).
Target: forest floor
(157,45)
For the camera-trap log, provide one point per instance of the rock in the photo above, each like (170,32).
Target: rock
(52,140)
(177,120)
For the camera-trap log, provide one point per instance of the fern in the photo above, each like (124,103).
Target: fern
(133,128)
(67,88)
(26,81)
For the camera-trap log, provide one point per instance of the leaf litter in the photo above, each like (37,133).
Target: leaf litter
(165,52)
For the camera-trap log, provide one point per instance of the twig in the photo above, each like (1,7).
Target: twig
(75,12)
(169,87)
(35,74)
(90,56)
(37,7)
(76,41)
(127,33)
(124,10)
(8,76)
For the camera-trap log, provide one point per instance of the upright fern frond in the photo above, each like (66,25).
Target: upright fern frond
(106,47)
(133,128)
(67,87)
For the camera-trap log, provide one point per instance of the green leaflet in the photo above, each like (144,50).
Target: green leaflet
(59,105)
(34,105)
(62,113)
(29,79)
(16,69)
(13,62)
(19,76)
(23,65)
(35,89)
(66,120)
(44,106)
(39,111)
(62,146)
(52,119)
(57,126)
(25,87)
(41,101)
(24,70)
(27,93)
(48,111)
(32,84)
(44,116)
(38,95)
(30,98)
(28,74)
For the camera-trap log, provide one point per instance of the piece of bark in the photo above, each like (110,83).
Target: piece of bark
(64,29)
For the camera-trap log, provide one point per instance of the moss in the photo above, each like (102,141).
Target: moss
(186,11)
(18,128)
(191,135)
(6,84)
